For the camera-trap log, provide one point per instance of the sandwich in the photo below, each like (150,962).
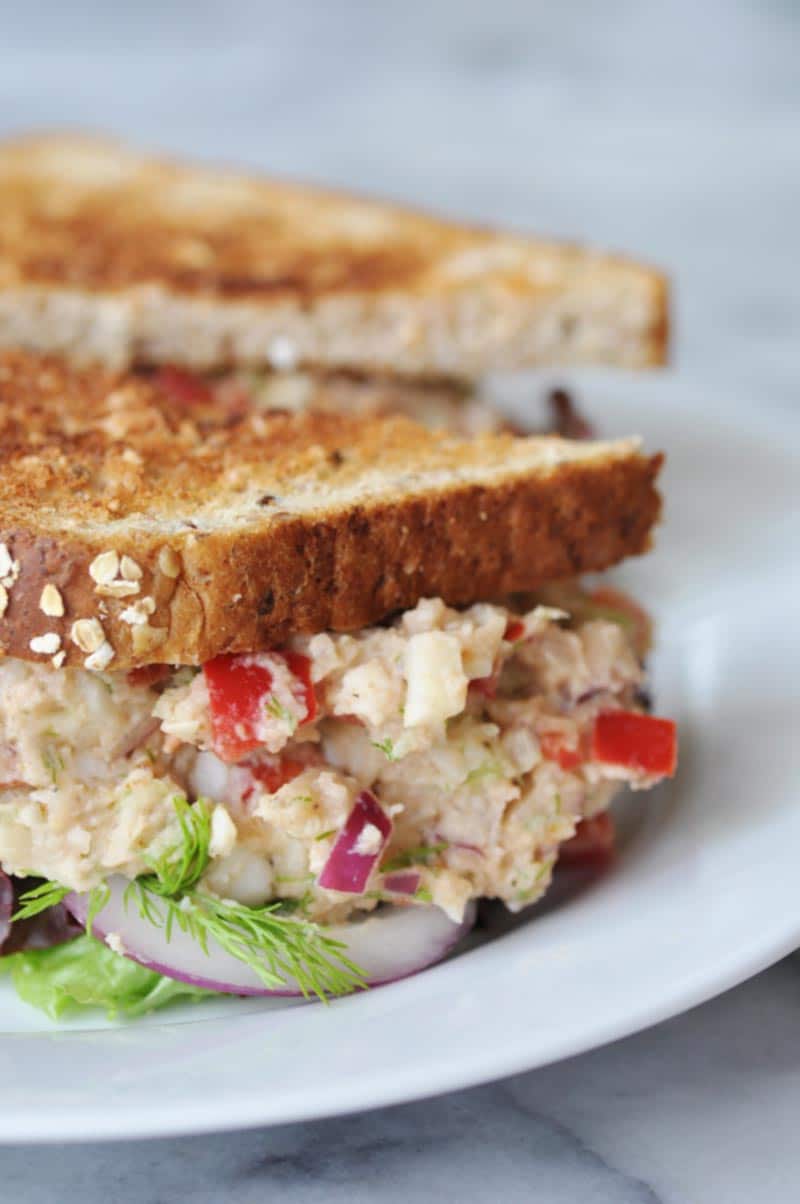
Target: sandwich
(255,290)
(284,694)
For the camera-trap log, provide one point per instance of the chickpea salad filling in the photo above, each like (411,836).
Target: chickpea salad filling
(450,405)
(441,404)
(259,807)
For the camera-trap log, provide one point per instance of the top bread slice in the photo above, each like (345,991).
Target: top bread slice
(136,530)
(111,256)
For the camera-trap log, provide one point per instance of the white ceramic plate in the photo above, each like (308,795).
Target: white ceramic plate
(705,891)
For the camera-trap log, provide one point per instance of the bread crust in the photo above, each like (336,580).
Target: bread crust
(219,532)
(112,256)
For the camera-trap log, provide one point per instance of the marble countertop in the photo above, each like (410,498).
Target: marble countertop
(700,1110)
(667,130)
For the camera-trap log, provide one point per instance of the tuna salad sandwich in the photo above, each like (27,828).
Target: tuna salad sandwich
(282,693)
(254,291)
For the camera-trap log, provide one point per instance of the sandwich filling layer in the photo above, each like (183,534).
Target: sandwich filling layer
(443,756)
(439,404)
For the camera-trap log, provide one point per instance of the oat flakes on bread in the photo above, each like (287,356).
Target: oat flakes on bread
(110,255)
(136,530)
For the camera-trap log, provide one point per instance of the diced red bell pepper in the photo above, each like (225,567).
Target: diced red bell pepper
(276,772)
(642,743)
(238,689)
(593,840)
(555,748)
(183,386)
(300,668)
(273,776)
(487,686)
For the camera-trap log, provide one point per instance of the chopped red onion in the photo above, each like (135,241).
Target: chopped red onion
(402,884)
(389,944)
(358,847)
(6,906)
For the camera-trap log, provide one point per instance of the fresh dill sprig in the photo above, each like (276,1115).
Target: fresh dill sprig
(275,946)
(176,870)
(532,890)
(299,905)
(38,899)
(52,763)
(418,856)
(386,747)
(183,864)
(488,769)
(274,707)
(274,941)
(98,897)
(51,757)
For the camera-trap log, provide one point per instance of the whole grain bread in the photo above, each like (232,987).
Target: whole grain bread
(135,529)
(112,256)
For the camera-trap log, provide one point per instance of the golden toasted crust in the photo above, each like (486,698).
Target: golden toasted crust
(181,531)
(112,256)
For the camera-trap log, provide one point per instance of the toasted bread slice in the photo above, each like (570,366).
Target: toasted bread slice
(135,530)
(112,256)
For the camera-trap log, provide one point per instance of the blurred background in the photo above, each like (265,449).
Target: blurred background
(669,130)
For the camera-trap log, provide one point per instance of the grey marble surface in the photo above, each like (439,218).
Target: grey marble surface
(701,1109)
(670,130)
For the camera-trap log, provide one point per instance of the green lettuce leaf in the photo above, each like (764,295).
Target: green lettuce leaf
(85,973)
